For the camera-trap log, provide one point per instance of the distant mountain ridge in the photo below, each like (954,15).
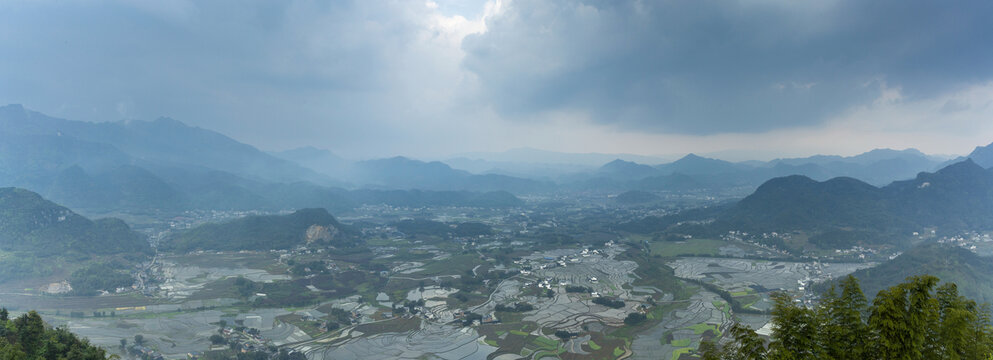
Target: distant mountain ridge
(692,172)
(983,155)
(404,173)
(842,212)
(164,142)
(956,198)
(164,165)
(531,155)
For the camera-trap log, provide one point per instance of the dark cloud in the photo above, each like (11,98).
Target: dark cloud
(274,73)
(386,77)
(703,67)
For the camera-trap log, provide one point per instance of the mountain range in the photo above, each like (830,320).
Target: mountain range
(692,172)
(841,212)
(165,165)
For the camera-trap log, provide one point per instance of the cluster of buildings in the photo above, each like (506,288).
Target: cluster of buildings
(970,241)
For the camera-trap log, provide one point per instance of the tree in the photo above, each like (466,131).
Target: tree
(915,320)
(843,331)
(217,339)
(745,345)
(903,319)
(794,330)
(709,351)
(139,339)
(29,338)
(124,343)
(29,329)
(635,318)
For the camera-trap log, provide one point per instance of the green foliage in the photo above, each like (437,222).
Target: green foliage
(578,289)
(472,229)
(27,337)
(434,228)
(31,224)
(609,302)
(518,307)
(217,339)
(423,227)
(23,266)
(635,318)
(270,232)
(843,320)
(91,279)
(842,212)
(653,224)
(972,273)
(914,320)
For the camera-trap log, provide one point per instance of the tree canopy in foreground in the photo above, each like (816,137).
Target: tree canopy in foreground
(27,337)
(917,319)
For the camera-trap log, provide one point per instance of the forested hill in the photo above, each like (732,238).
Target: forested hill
(31,224)
(972,273)
(265,232)
(841,212)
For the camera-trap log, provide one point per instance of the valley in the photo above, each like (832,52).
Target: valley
(177,256)
(510,289)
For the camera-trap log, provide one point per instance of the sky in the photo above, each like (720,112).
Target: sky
(746,79)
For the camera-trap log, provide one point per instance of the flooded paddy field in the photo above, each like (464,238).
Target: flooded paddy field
(729,273)
(430,340)
(705,316)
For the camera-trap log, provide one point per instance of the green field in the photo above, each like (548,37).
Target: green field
(546,342)
(702,328)
(618,351)
(593,345)
(681,342)
(455,265)
(679,352)
(688,247)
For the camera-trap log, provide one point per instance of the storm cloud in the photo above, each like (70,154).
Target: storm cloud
(379,77)
(704,67)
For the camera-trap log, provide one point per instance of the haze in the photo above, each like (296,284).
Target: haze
(365,79)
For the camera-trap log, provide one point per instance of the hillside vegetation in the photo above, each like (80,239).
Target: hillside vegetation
(31,224)
(265,232)
(843,212)
(972,273)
